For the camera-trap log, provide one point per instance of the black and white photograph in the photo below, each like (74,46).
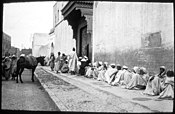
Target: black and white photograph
(87,56)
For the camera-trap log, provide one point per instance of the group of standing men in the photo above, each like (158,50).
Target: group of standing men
(68,63)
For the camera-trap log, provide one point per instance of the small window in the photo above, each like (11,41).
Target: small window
(151,40)
(52,45)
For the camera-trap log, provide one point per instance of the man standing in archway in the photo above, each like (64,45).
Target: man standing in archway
(73,67)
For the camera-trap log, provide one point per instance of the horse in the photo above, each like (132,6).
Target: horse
(29,62)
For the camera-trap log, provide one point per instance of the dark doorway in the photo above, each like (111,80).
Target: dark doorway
(85,41)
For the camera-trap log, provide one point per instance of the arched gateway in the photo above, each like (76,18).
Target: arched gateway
(79,16)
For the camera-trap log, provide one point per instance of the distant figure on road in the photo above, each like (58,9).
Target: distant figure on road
(73,62)
(52,59)
(13,66)
(57,61)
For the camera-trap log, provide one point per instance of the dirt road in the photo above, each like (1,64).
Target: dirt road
(26,96)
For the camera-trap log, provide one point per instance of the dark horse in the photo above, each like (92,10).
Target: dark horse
(29,62)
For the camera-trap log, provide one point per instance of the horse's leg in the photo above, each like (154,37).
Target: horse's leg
(17,73)
(20,72)
(33,70)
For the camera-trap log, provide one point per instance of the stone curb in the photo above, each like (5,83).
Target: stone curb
(54,98)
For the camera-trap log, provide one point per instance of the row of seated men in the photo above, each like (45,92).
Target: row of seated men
(161,84)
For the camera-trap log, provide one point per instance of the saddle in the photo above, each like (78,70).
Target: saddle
(31,60)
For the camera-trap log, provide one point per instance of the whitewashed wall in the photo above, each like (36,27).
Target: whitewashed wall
(63,38)
(118,27)
(63,33)
(120,24)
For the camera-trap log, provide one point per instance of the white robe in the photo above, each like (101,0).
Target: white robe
(73,62)
(137,80)
(168,90)
(110,71)
(153,87)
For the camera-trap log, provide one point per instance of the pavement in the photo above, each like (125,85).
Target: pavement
(143,103)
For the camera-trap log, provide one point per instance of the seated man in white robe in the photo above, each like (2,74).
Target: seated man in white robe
(155,83)
(101,74)
(65,67)
(137,81)
(90,69)
(144,74)
(123,77)
(112,79)
(110,72)
(168,89)
(97,70)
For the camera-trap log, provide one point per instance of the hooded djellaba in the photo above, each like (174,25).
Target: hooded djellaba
(155,83)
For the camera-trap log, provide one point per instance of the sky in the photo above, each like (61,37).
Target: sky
(21,20)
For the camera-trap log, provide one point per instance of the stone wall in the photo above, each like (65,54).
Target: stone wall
(132,34)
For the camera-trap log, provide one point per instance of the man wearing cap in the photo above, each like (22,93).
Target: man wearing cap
(118,75)
(110,72)
(73,62)
(154,84)
(83,65)
(113,77)
(92,72)
(137,81)
(122,77)
(101,74)
(65,67)
(168,87)
(97,69)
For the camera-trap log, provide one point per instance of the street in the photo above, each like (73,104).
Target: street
(27,96)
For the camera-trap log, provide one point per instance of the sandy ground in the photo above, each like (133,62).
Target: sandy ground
(26,96)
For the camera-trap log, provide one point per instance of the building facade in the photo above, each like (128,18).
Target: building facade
(63,32)
(128,33)
(134,34)
(79,16)
(6,44)
(14,51)
(42,44)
